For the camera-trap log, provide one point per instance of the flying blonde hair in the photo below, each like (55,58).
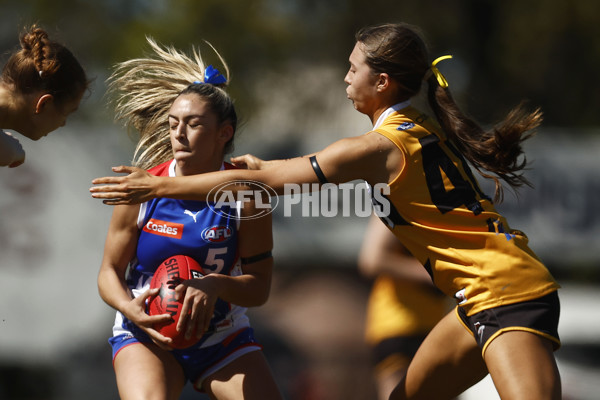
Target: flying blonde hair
(143,90)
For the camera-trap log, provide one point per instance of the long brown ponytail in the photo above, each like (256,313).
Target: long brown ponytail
(498,150)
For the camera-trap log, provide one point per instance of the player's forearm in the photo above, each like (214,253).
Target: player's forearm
(112,289)
(243,290)
(139,186)
(196,187)
(280,163)
(200,187)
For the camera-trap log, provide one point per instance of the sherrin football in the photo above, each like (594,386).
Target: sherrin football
(178,267)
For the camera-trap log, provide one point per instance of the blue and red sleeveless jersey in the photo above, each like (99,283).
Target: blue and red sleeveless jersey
(169,227)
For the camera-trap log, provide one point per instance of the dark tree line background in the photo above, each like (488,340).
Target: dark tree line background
(546,52)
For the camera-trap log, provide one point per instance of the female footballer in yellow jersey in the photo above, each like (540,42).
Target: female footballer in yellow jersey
(507,315)
(402,308)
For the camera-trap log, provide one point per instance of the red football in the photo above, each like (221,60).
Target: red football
(177,267)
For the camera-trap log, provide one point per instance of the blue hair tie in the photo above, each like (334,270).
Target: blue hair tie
(212,76)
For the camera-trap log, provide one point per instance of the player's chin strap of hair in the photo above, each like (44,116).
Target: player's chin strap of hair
(257,258)
(436,72)
(317,169)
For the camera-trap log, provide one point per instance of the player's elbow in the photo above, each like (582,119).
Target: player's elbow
(261,296)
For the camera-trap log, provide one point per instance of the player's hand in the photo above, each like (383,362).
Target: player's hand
(248,161)
(135,311)
(17,163)
(199,299)
(137,187)
(12,152)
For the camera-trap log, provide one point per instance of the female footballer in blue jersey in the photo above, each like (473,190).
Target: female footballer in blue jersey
(186,121)
(506,318)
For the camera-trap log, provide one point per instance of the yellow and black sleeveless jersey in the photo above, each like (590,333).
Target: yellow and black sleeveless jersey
(440,214)
(400,308)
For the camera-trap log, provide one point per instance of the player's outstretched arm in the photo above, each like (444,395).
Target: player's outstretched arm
(140,186)
(119,250)
(365,157)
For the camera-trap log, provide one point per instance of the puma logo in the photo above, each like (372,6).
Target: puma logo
(480,328)
(191,214)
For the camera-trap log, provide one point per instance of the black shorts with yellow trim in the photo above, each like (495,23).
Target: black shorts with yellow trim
(539,316)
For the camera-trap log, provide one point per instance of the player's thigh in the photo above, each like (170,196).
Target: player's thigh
(246,378)
(147,372)
(522,366)
(447,363)
(387,382)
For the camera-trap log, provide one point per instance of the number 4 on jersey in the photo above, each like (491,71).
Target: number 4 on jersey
(437,164)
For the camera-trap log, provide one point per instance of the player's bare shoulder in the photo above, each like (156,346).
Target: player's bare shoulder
(386,154)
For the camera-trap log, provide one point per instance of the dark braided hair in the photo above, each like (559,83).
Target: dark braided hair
(43,64)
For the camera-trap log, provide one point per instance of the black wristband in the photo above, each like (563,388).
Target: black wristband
(317,169)
(257,258)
